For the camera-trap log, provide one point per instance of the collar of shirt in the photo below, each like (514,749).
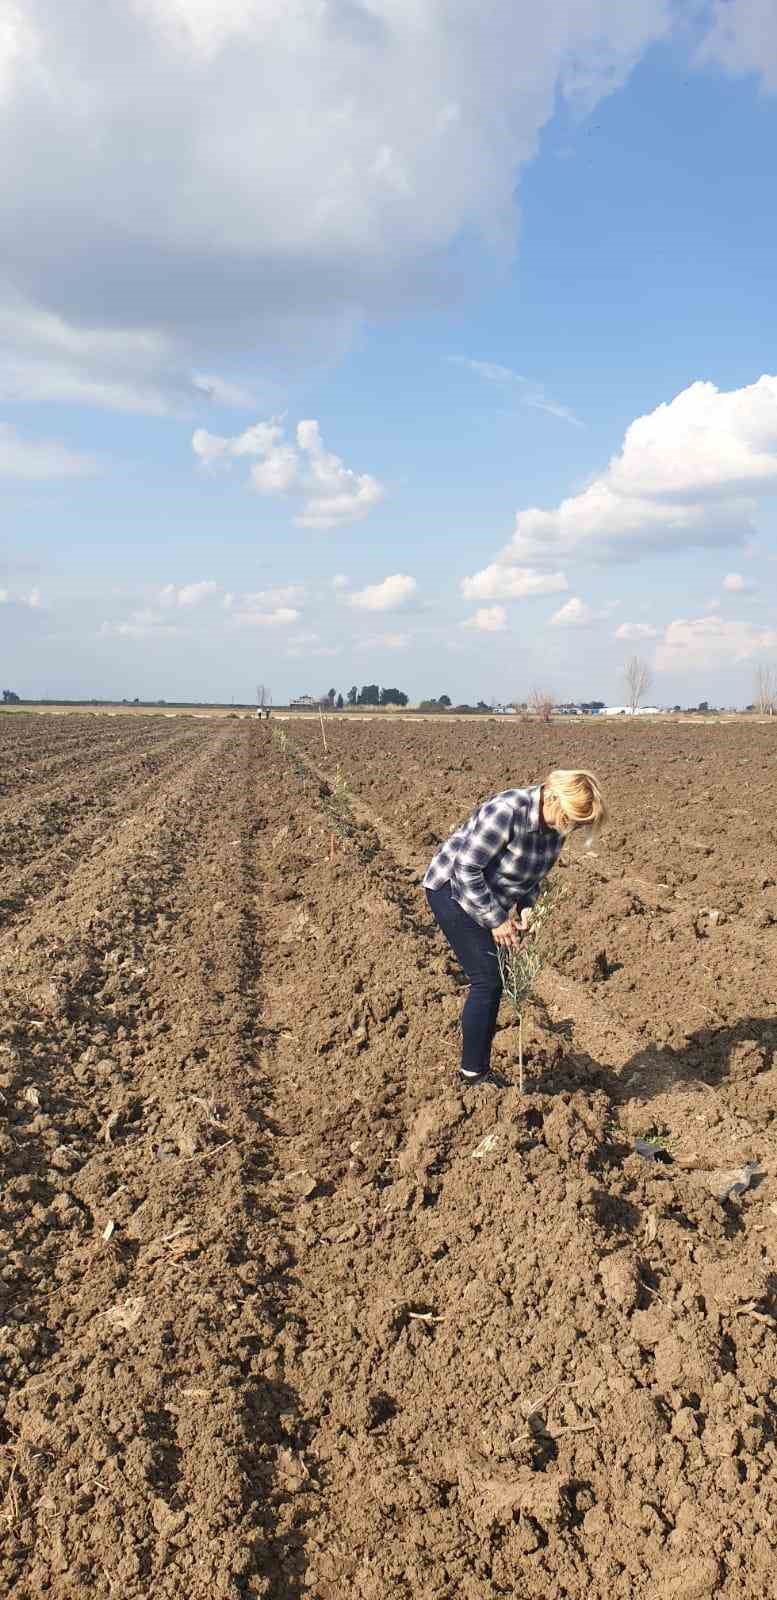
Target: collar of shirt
(534,809)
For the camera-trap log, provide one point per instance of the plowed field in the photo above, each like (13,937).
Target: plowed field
(282,1314)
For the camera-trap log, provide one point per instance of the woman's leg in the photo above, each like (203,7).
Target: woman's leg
(475,949)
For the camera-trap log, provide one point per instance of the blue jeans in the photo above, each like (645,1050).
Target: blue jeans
(476,951)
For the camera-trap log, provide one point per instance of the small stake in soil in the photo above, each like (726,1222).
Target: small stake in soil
(323,734)
(521,964)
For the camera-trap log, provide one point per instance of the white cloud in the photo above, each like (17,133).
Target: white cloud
(636,631)
(281,617)
(188,594)
(578,614)
(332,494)
(46,357)
(391,130)
(743,38)
(340,582)
(31,601)
(145,623)
(704,643)
(501,581)
(524,391)
(488,619)
(290,594)
(688,474)
(734,583)
(302,646)
(390,595)
(36,460)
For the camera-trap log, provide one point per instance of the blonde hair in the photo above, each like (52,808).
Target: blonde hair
(578,797)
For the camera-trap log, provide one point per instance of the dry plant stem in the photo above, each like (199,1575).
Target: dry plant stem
(520,965)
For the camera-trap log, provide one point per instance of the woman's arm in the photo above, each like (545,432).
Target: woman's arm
(492,831)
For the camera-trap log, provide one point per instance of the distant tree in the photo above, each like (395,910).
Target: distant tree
(637,678)
(766,690)
(10,698)
(331,695)
(369,695)
(540,701)
(444,700)
(704,705)
(352,696)
(481,706)
(393,697)
(340,702)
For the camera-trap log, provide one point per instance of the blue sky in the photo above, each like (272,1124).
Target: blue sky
(388,342)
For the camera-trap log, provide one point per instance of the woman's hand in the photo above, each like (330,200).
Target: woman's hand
(507,934)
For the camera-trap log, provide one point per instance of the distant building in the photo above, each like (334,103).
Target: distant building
(304,702)
(626,711)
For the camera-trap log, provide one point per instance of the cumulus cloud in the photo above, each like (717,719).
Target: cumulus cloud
(688,474)
(36,460)
(735,583)
(701,643)
(578,614)
(280,617)
(500,581)
(391,130)
(390,595)
(188,594)
(332,494)
(488,619)
(636,631)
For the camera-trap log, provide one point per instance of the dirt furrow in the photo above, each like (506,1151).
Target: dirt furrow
(49,756)
(29,828)
(148,1284)
(63,835)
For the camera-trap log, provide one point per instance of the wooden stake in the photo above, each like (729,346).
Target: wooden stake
(520,1053)
(323,735)
(331,847)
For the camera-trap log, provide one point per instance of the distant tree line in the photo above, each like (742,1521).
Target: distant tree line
(370,694)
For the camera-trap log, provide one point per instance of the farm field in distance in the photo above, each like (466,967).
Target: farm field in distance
(281,1313)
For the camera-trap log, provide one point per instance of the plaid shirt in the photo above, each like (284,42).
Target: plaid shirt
(498,858)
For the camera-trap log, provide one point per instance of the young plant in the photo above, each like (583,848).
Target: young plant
(521,964)
(281,739)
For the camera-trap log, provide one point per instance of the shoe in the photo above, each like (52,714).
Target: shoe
(474,1080)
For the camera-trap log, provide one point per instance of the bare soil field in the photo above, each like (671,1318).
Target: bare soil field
(281,1313)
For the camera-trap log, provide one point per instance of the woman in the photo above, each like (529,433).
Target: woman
(488,870)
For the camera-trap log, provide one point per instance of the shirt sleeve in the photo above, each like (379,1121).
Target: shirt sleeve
(489,835)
